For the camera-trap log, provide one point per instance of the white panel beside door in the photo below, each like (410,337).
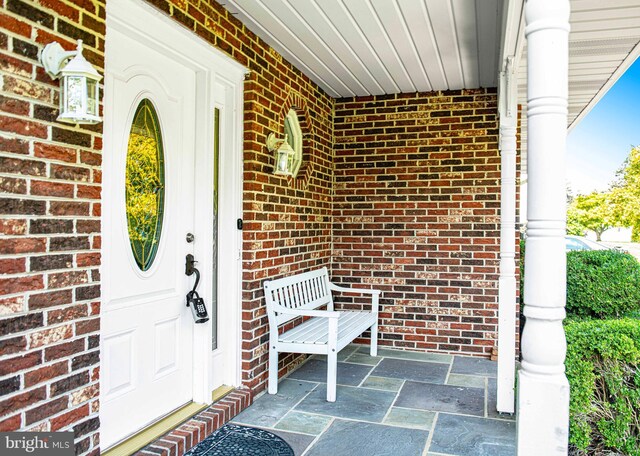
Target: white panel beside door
(227,97)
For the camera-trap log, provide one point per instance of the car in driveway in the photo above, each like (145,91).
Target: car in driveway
(582,243)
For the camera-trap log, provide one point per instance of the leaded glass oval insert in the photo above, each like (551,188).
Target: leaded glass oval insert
(145,184)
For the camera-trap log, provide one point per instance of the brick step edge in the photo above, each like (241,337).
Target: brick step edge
(193,431)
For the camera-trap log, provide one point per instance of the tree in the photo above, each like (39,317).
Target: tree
(625,194)
(590,212)
(574,227)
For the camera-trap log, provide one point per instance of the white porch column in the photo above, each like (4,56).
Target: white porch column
(507,281)
(543,390)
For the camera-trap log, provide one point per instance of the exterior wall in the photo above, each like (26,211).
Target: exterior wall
(49,228)
(416,214)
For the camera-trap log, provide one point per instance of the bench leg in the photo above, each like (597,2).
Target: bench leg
(374,339)
(332,374)
(273,371)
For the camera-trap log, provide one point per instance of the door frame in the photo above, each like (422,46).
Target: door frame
(149,25)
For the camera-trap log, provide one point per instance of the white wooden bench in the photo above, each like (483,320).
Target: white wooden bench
(326,332)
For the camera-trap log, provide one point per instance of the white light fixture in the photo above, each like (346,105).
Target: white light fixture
(285,155)
(79,96)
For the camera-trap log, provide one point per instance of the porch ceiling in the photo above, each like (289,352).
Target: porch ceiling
(354,47)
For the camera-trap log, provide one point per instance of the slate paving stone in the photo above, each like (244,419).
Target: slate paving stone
(420,419)
(360,358)
(342,354)
(268,409)
(492,399)
(298,442)
(347,351)
(474,366)
(348,438)
(441,398)
(471,381)
(414,356)
(353,403)
(315,370)
(305,423)
(383,383)
(412,370)
(471,436)
(396,402)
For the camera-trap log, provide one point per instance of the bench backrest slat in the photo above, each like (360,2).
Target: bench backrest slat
(308,290)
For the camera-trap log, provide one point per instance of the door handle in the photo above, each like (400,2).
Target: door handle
(190,269)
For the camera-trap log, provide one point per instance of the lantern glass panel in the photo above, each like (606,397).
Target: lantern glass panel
(282,162)
(74,95)
(92,97)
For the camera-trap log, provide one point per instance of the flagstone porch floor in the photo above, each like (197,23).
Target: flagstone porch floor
(399,403)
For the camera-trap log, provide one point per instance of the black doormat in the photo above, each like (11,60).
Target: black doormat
(234,440)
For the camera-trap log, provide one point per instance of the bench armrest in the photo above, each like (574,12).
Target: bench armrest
(335,287)
(306,313)
(375,294)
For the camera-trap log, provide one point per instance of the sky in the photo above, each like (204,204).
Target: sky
(599,144)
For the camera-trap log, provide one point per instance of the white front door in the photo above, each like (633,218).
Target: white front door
(147,337)
(166,89)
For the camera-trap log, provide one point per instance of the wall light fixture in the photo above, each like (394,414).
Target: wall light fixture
(285,155)
(79,96)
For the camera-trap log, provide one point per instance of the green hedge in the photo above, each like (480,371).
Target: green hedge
(602,363)
(602,283)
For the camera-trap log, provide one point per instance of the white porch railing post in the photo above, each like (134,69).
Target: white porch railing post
(507,280)
(543,390)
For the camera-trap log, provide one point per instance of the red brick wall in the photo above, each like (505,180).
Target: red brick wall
(416,214)
(49,228)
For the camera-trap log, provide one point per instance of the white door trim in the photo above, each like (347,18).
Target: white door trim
(211,65)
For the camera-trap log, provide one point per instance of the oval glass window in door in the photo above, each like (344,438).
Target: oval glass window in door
(144,176)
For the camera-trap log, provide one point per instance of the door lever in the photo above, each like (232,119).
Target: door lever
(190,265)
(190,268)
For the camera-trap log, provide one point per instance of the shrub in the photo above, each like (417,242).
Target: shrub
(602,283)
(602,367)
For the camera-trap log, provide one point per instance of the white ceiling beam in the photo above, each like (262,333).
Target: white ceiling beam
(512,39)
(488,31)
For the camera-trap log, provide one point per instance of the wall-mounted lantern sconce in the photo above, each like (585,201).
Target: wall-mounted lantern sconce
(285,155)
(79,99)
